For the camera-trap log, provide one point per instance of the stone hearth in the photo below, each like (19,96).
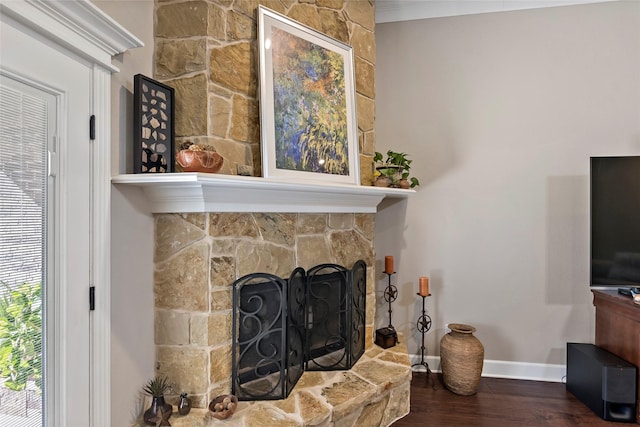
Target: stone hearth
(375,392)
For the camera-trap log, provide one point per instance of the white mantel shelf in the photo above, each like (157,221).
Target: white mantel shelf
(203,192)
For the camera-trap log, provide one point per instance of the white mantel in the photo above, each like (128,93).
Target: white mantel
(202,192)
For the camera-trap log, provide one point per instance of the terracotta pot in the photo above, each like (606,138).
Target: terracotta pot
(461,359)
(394,172)
(382,181)
(199,161)
(404,183)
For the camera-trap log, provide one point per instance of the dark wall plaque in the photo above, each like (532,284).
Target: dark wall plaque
(153,122)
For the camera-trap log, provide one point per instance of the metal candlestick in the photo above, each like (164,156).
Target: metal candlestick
(423,325)
(390,295)
(388,337)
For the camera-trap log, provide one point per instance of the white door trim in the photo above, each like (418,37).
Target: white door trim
(82,28)
(100,320)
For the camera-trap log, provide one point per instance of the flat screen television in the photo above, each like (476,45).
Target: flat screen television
(615,221)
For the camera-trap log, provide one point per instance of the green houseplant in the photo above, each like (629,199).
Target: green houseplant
(393,171)
(21,335)
(159,411)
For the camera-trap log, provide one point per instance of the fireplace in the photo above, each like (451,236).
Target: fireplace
(212,229)
(199,256)
(314,321)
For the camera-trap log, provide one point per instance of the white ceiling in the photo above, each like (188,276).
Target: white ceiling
(406,10)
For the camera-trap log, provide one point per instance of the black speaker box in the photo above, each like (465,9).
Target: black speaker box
(602,381)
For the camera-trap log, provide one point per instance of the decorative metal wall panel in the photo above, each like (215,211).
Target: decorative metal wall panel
(153,123)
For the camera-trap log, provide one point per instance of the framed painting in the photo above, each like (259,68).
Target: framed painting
(307,103)
(153,126)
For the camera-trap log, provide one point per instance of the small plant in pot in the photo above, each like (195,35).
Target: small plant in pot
(394,170)
(160,411)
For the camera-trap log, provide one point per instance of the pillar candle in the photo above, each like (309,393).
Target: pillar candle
(424,286)
(388,264)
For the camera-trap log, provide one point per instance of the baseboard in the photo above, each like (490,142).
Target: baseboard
(503,369)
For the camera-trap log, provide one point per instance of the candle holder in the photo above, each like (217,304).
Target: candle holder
(388,337)
(424,325)
(390,294)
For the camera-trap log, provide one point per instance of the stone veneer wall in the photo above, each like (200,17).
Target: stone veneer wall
(198,256)
(207,51)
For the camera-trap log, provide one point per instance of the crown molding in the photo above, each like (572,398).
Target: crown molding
(78,25)
(407,10)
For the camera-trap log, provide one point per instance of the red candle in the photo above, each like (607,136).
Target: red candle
(388,264)
(424,286)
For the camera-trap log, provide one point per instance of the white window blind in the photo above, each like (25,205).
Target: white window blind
(24,132)
(23,153)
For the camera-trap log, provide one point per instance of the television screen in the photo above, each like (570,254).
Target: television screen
(615,221)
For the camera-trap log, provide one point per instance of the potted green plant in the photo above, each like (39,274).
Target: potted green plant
(393,171)
(159,411)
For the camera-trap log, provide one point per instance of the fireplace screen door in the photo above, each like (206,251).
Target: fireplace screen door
(315,320)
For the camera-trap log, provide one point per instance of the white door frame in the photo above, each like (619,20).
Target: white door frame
(82,28)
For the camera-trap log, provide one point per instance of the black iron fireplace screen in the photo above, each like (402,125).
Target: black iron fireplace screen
(315,320)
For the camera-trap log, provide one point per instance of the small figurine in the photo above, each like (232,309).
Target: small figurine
(184,407)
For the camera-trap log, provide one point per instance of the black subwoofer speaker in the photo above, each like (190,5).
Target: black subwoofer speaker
(602,381)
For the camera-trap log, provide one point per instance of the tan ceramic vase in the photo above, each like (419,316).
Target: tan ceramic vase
(461,359)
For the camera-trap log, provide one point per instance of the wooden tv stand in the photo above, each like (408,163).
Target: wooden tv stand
(618,329)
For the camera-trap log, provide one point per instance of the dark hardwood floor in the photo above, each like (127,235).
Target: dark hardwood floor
(498,403)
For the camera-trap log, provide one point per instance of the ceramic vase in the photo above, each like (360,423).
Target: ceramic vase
(461,359)
(185,406)
(150,416)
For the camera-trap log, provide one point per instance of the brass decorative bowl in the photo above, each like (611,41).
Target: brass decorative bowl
(199,161)
(223,406)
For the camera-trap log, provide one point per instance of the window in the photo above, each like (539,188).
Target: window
(25,135)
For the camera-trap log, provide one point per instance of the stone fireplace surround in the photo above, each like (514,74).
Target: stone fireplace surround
(205,49)
(198,255)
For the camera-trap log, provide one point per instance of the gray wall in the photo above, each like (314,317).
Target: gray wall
(501,113)
(132,345)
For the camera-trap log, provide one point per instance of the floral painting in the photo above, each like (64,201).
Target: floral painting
(308,119)
(309,106)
